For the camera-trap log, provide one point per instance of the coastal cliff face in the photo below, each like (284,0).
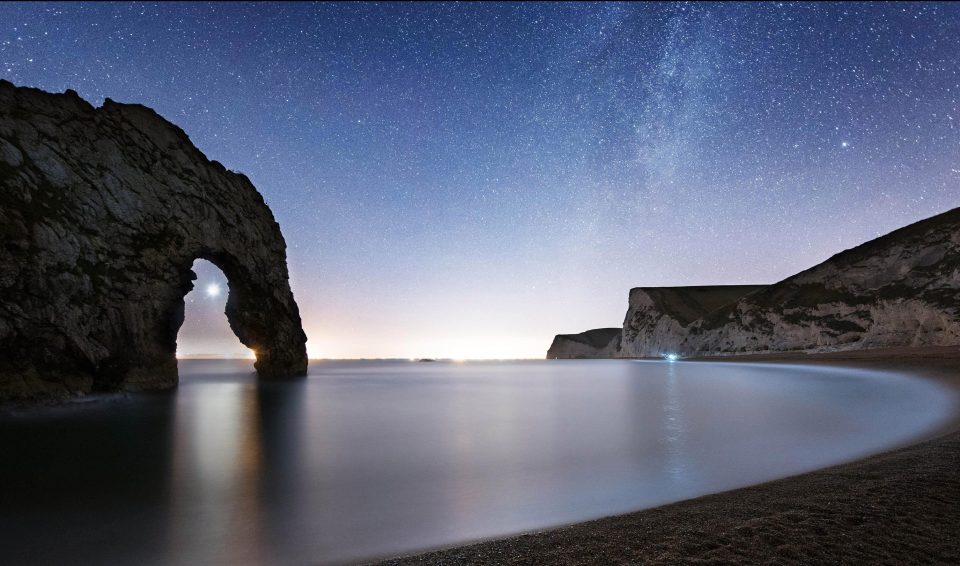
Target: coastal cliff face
(659,318)
(899,290)
(902,289)
(596,343)
(102,213)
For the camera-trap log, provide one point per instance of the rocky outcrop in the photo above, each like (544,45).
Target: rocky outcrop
(102,213)
(659,318)
(899,290)
(596,343)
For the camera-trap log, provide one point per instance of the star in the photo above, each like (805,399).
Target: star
(213,290)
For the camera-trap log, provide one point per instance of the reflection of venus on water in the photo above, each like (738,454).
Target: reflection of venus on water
(216,467)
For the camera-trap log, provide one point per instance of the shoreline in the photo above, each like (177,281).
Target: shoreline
(896,506)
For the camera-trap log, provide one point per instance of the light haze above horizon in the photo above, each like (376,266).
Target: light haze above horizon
(467,181)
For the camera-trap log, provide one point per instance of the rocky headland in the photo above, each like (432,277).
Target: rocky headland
(899,290)
(102,214)
(597,343)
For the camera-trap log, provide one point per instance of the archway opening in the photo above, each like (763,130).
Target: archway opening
(205,332)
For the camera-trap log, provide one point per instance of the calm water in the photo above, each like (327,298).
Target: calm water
(376,458)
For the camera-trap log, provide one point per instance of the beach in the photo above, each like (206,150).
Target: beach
(897,507)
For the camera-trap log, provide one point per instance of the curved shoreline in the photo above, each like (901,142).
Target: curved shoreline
(896,506)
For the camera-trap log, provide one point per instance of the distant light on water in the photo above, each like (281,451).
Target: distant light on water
(671,357)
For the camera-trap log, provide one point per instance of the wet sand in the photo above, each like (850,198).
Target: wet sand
(898,507)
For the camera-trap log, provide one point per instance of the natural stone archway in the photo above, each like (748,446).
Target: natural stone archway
(102,213)
(252,311)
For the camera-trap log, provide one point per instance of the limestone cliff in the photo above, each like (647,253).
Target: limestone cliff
(658,318)
(899,290)
(102,213)
(902,289)
(597,343)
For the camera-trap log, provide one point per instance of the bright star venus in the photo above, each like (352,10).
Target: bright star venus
(213,290)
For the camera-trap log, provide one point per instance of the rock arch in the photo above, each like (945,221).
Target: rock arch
(102,213)
(251,312)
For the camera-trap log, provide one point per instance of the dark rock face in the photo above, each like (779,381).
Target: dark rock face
(102,213)
(899,290)
(596,343)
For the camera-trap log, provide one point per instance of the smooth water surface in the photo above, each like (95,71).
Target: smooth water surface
(367,459)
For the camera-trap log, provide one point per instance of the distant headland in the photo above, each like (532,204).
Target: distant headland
(899,290)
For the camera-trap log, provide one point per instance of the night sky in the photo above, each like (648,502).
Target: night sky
(465,180)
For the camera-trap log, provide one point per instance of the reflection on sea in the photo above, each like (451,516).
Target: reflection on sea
(368,459)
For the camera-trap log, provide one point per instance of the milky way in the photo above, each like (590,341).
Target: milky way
(468,180)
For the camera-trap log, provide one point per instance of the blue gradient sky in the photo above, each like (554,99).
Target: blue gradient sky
(464,180)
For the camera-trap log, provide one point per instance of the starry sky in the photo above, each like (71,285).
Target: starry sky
(467,180)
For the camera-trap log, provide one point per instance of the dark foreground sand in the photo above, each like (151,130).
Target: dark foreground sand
(900,507)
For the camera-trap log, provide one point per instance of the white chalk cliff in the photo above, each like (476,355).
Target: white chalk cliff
(902,289)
